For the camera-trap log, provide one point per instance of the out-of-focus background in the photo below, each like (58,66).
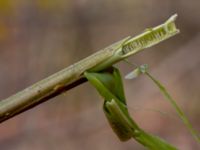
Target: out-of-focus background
(41,37)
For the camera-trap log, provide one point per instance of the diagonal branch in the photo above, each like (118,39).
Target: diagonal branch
(73,75)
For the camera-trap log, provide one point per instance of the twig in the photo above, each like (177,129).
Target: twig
(73,75)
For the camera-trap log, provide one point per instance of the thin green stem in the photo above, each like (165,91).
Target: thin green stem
(177,108)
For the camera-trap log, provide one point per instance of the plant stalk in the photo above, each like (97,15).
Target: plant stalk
(73,75)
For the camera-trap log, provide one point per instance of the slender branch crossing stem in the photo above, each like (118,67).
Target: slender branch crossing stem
(73,75)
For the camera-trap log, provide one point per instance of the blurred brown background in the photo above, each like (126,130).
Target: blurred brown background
(40,37)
